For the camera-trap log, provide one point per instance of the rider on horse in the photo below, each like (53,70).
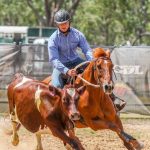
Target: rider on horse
(62,49)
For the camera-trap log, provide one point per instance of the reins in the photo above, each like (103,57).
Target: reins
(95,67)
(85,81)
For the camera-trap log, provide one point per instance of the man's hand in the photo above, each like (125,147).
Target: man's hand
(72,72)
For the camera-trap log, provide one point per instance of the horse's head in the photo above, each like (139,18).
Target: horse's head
(103,69)
(71,96)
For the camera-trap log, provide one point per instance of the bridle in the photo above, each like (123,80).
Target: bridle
(95,67)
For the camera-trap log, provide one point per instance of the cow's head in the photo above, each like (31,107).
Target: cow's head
(70,99)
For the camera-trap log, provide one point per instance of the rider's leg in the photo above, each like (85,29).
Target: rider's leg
(57,80)
(120,105)
(74,63)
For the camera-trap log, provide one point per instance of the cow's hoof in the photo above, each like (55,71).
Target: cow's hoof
(39,148)
(15,140)
(68,147)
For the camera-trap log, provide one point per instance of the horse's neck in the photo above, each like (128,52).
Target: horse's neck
(88,74)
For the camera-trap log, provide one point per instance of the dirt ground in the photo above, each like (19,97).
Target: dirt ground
(100,140)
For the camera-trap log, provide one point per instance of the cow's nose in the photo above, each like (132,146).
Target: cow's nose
(75,116)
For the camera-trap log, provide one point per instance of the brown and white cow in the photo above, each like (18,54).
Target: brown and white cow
(36,105)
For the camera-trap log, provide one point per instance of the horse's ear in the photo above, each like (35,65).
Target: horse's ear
(54,90)
(108,53)
(81,89)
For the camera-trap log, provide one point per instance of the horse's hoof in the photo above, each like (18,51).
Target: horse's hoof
(15,140)
(137,145)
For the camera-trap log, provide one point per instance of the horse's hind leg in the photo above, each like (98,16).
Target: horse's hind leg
(130,142)
(15,127)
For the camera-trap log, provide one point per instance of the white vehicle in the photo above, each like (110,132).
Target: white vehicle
(40,41)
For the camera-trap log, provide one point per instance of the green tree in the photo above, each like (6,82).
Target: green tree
(113,22)
(104,22)
(33,12)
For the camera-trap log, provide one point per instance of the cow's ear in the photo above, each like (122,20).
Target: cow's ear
(108,53)
(81,89)
(54,90)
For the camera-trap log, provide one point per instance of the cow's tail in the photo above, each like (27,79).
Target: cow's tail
(10,95)
(11,92)
(12,107)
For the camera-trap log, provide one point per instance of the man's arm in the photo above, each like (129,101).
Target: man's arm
(54,56)
(83,44)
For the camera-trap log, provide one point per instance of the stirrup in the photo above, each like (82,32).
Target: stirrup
(120,106)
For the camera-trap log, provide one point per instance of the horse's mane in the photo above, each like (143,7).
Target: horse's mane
(100,52)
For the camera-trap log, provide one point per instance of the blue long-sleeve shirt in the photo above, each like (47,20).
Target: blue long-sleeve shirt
(63,48)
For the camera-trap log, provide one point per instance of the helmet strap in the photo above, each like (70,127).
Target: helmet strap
(66,31)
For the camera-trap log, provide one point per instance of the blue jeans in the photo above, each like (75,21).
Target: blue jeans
(57,80)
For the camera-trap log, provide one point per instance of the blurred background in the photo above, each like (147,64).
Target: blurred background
(103,22)
(123,26)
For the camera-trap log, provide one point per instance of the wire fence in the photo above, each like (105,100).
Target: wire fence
(131,67)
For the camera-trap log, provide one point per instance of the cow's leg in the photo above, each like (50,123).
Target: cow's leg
(39,143)
(71,134)
(59,132)
(15,127)
(38,137)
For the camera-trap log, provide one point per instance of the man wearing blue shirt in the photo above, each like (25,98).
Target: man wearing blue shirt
(62,48)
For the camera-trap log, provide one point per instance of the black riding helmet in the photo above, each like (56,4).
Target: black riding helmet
(61,16)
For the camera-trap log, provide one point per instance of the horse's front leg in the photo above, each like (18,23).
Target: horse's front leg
(129,142)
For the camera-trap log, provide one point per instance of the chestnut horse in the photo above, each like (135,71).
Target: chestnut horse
(95,106)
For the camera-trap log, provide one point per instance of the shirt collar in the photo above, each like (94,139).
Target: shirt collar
(60,33)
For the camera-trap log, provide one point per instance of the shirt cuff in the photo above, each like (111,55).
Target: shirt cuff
(65,70)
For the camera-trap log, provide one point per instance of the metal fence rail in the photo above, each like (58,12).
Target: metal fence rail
(32,61)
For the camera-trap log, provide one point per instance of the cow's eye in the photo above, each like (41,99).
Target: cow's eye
(76,98)
(66,100)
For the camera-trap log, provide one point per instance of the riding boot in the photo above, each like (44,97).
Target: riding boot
(119,106)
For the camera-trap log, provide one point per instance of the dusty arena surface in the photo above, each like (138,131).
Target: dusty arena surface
(100,140)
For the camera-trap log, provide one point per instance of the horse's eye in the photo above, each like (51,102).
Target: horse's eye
(76,98)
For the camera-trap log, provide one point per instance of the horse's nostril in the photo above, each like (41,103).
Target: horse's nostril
(106,87)
(112,87)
